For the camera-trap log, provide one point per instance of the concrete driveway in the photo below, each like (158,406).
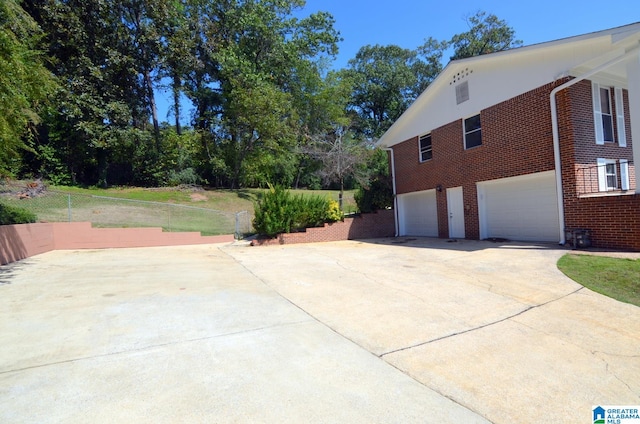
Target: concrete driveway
(404,330)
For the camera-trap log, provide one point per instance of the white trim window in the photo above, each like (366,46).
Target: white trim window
(608,174)
(603,115)
(472,132)
(426,149)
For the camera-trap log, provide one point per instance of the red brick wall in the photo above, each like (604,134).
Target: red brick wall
(370,225)
(614,220)
(516,140)
(586,150)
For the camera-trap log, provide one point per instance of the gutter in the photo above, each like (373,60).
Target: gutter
(556,132)
(395,197)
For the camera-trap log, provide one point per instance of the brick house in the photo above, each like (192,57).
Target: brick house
(526,144)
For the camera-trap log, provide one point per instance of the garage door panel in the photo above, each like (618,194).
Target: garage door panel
(521,208)
(418,214)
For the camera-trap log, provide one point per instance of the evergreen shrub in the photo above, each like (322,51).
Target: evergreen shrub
(13,215)
(379,195)
(280,212)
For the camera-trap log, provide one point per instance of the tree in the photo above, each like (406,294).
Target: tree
(486,34)
(341,155)
(109,55)
(386,80)
(25,83)
(254,62)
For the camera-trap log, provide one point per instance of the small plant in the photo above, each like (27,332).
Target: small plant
(13,215)
(334,213)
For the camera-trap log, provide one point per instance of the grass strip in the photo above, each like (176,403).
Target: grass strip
(613,277)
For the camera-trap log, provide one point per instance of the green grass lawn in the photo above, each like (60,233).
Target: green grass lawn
(218,199)
(613,277)
(209,211)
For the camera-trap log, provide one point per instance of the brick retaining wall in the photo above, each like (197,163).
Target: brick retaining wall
(371,225)
(25,240)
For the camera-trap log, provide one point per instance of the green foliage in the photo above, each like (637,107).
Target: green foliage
(267,107)
(24,81)
(386,80)
(15,215)
(334,213)
(614,277)
(378,195)
(277,211)
(185,176)
(273,212)
(52,168)
(487,34)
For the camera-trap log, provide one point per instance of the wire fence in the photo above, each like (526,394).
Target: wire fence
(104,211)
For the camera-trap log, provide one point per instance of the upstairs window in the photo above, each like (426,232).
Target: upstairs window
(607,118)
(472,132)
(603,115)
(426,152)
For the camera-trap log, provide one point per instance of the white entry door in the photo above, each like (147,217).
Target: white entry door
(455,208)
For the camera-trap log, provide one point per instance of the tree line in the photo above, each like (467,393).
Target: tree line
(79,80)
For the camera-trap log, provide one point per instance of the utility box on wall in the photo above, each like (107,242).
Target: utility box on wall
(579,238)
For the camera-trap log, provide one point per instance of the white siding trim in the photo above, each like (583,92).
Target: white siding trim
(597,113)
(622,133)
(624,174)
(602,174)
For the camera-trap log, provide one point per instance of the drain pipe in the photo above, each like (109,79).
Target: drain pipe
(395,197)
(556,132)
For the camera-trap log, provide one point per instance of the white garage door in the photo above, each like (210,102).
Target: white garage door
(520,208)
(418,214)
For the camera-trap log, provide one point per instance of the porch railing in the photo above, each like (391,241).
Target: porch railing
(613,177)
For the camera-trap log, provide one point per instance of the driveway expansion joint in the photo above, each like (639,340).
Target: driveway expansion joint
(151,347)
(480,326)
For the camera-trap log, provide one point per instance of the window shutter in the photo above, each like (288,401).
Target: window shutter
(622,132)
(597,113)
(602,174)
(624,174)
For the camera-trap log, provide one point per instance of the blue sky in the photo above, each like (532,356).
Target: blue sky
(408,23)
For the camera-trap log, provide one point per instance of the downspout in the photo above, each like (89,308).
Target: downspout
(556,133)
(393,182)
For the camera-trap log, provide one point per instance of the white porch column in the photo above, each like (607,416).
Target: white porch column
(633,79)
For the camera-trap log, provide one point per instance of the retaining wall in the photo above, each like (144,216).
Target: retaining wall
(371,225)
(25,240)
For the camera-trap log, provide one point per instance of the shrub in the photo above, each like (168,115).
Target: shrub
(186,176)
(273,214)
(379,195)
(12,215)
(334,213)
(280,212)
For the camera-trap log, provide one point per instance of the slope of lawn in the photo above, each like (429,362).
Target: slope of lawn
(209,211)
